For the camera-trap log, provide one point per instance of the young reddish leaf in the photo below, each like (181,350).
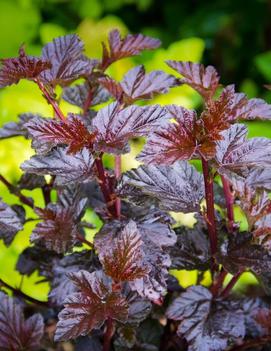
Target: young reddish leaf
(130,45)
(59,228)
(173,141)
(78,95)
(137,85)
(10,223)
(173,188)
(72,132)
(68,61)
(124,259)
(61,285)
(114,127)
(207,325)
(22,67)
(90,307)
(16,332)
(240,252)
(204,80)
(238,155)
(154,260)
(114,88)
(68,168)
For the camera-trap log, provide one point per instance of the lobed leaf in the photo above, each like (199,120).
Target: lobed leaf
(68,62)
(16,332)
(22,67)
(204,80)
(237,155)
(10,223)
(90,307)
(172,141)
(124,258)
(72,132)
(59,228)
(130,45)
(207,325)
(114,127)
(176,188)
(137,85)
(68,168)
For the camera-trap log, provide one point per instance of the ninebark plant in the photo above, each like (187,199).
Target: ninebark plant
(117,293)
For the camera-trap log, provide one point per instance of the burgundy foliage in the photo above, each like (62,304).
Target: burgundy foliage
(117,291)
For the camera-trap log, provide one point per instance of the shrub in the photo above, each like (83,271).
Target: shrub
(117,292)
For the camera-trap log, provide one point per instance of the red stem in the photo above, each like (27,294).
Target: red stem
(229,203)
(85,241)
(13,190)
(210,215)
(21,294)
(50,100)
(118,175)
(104,185)
(231,284)
(218,283)
(87,102)
(108,335)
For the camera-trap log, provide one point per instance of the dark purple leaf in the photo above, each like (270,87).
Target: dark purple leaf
(240,252)
(173,141)
(192,248)
(22,67)
(68,61)
(59,228)
(206,325)
(204,80)
(61,285)
(259,178)
(90,307)
(235,154)
(31,181)
(13,129)
(137,85)
(114,127)
(77,95)
(72,132)
(173,188)
(10,223)
(16,332)
(88,343)
(37,257)
(130,45)
(68,168)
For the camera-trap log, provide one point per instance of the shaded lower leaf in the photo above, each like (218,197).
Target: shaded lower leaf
(207,325)
(16,332)
(10,223)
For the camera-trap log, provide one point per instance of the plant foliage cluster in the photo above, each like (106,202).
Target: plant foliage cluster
(117,293)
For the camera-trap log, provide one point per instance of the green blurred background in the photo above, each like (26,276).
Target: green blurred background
(233,35)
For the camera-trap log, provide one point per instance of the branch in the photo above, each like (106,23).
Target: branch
(84,241)
(229,203)
(118,175)
(13,190)
(108,335)
(231,284)
(210,214)
(51,101)
(19,293)
(218,282)
(103,182)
